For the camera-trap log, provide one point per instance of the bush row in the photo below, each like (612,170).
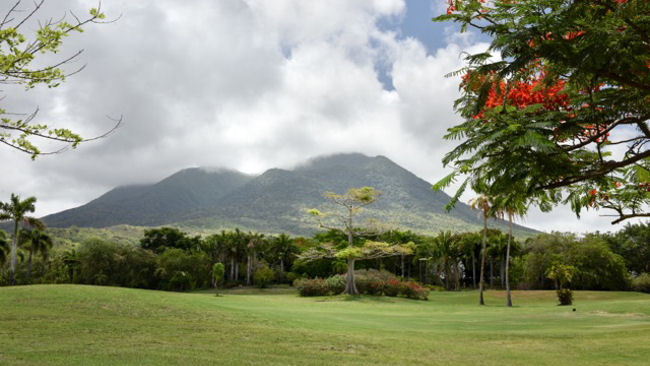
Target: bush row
(369,282)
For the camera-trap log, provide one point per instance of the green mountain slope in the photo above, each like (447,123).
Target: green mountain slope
(275,201)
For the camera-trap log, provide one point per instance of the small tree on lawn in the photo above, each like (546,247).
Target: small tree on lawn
(218,270)
(562,275)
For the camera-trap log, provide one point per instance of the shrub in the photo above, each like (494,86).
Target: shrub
(312,287)
(291,277)
(263,276)
(565,296)
(641,283)
(335,284)
(375,287)
(392,287)
(413,290)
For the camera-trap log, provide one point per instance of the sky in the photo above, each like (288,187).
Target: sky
(247,85)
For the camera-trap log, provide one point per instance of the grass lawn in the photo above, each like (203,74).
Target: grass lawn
(86,325)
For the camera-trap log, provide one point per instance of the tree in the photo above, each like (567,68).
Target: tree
(15,211)
(19,65)
(159,239)
(4,247)
(557,108)
(283,250)
(218,271)
(36,241)
(446,250)
(562,275)
(510,206)
(483,204)
(351,202)
(254,241)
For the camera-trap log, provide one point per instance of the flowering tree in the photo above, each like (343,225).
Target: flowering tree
(351,203)
(562,114)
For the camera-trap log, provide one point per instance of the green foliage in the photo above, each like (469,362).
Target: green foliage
(565,296)
(263,276)
(179,270)
(335,284)
(160,239)
(641,283)
(98,262)
(563,85)
(20,65)
(596,266)
(218,270)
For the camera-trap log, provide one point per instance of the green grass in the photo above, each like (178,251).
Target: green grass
(86,325)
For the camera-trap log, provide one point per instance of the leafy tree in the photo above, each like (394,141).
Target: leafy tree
(15,210)
(160,239)
(19,65)
(4,247)
(562,275)
(557,108)
(633,244)
(351,202)
(218,271)
(263,276)
(35,241)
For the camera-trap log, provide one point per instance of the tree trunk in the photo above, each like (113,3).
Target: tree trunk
(14,247)
(248,270)
(29,266)
(282,265)
(402,258)
(232,268)
(502,268)
(481,284)
(350,285)
(473,268)
(508,297)
(491,272)
(236,271)
(457,272)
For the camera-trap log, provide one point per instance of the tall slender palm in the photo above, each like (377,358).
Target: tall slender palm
(482,203)
(15,211)
(510,206)
(255,239)
(35,241)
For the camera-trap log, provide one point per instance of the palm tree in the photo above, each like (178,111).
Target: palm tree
(482,203)
(15,211)
(511,206)
(35,241)
(283,249)
(447,252)
(255,239)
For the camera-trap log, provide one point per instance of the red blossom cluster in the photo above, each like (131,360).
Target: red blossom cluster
(522,94)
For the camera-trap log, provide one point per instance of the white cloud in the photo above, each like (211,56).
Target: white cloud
(250,85)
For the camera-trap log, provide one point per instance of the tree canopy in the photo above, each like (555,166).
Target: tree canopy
(557,108)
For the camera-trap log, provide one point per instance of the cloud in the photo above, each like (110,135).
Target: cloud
(241,84)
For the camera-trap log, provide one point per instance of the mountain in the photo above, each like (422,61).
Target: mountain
(180,196)
(275,201)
